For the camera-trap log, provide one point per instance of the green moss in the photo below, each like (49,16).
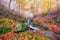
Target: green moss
(10,22)
(46,28)
(30,39)
(4,30)
(21,21)
(2,20)
(47,38)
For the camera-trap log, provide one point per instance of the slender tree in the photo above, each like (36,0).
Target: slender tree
(9,4)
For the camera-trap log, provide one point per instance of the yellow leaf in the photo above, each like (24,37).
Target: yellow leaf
(30,0)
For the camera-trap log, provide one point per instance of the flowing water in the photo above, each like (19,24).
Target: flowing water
(29,25)
(39,30)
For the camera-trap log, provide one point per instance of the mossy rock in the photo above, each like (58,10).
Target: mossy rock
(20,28)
